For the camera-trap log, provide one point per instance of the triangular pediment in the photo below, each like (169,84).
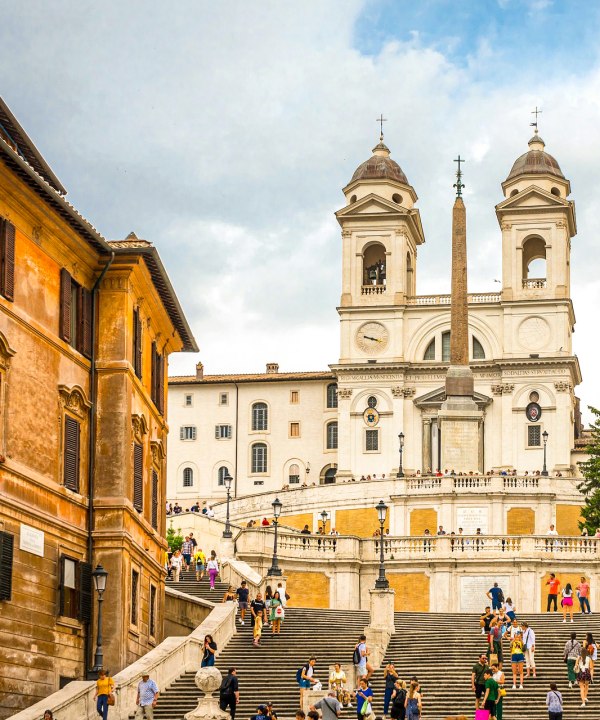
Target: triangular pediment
(372,204)
(533,196)
(435,398)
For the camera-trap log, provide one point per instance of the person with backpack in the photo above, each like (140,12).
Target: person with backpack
(398,709)
(229,692)
(496,595)
(413,702)
(554,703)
(360,659)
(495,641)
(571,653)
(305,677)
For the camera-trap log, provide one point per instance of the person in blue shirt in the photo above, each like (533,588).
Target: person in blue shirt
(496,595)
(363,694)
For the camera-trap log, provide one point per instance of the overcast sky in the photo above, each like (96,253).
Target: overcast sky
(224,131)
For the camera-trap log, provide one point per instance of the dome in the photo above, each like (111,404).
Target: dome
(380,167)
(536,161)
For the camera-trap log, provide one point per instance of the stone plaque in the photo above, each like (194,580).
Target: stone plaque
(473,589)
(471,518)
(31,540)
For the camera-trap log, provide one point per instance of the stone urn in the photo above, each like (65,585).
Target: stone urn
(208,680)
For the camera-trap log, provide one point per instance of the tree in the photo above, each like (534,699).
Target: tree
(174,539)
(590,485)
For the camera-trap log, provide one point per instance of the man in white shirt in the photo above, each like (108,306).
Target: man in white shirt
(552,530)
(529,648)
(210,513)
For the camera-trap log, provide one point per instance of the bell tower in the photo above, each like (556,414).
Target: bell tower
(381,231)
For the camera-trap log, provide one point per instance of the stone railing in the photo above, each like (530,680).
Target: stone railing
(235,571)
(174,656)
(445,299)
(372,290)
(535,283)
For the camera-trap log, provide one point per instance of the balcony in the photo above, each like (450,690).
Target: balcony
(445,299)
(373,290)
(535,284)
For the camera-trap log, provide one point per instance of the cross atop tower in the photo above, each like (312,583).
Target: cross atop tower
(381,120)
(459,184)
(534,124)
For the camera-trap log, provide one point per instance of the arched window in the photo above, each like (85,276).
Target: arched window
(534,261)
(294,474)
(259,458)
(260,416)
(332,435)
(332,398)
(223,471)
(188,477)
(446,346)
(478,351)
(374,265)
(329,478)
(430,352)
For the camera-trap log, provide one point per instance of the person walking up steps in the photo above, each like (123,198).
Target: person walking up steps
(571,653)
(567,602)
(584,675)
(413,702)
(360,659)
(213,568)
(330,707)
(200,560)
(242,593)
(590,645)
(554,703)
(529,649)
(490,699)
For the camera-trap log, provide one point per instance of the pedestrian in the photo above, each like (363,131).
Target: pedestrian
(363,694)
(261,713)
(398,709)
(517,659)
(213,568)
(167,563)
(208,655)
(306,677)
(186,550)
(583,593)
(390,676)
(242,594)
(529,649)
(584,675)
(495,641)
(337,682)
(229,692)
(478,680)
(554,703)
(485,619)
(553,587)
(258,610)
(496,595)
(330,707)
(592,649)
(498,675)
(509,609)
(413,701)
(104,688)
(490,698)
(229,595)
(271,714)
(268,598)
(277,613)
(567,602)
(200,560)
(48,715)
(176,564)
(147,697)
(283,594)
(570,655)
(360,659)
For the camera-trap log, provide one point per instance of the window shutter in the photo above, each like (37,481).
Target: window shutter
(154,499)
(229,432)
(7,231)
(86,322)
(71,461)
(161,384)
(61,586)
(194,432)
(138,477)
(84,611)
(65,306)
(6,564)
(217,431)
(153,384)
(182,433)
(138,343)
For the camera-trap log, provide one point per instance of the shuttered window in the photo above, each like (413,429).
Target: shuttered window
(137,342)
(72,441)
(187,432)
(65,306)
(75,590)
(152,623)
(135,592)
(138,477)
(154,518)
(157,388)
(76,310)
(6,565)
(7,259)
(223,432)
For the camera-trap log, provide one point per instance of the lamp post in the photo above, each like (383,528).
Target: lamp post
(227,480)
(400,472)
(382,582)
(545,436)
(99,575)
(324,517)
(307,471)
(275,569)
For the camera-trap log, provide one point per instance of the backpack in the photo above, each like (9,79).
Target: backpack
(356,656)
(299,673)
(225,685)
(501,596)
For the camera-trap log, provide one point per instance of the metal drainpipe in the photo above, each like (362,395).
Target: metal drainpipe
(235,474)
(91,443)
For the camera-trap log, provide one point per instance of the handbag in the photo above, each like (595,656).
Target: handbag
(493,659)
(279,612)
(110,700)
(366,709)
(482,714)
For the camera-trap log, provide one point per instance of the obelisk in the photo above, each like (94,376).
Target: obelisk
(459,417)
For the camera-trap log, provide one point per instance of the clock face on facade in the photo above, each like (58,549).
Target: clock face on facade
(372,338)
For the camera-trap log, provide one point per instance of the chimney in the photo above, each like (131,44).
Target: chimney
(199,371)
(272,367)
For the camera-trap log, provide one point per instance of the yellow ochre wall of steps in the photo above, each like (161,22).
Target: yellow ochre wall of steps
(412,591)
(307,589)
(567,519)
(520,521)
(423,519)
(297,521)
(358,521)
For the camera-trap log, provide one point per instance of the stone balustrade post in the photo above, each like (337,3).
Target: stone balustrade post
(381,625)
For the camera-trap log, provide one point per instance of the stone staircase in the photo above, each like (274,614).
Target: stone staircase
(439,649)
(188,584)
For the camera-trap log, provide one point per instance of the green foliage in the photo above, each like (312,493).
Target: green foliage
(590,485)
(174,540)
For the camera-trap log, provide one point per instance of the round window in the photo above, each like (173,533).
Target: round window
(534,396)
(372,401)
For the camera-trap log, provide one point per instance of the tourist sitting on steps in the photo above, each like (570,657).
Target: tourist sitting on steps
(337,683)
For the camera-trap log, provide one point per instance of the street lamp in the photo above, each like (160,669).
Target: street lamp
(400,473)
(99,576)
(324,517)
(275,569)
(307,471)
(382,582)
(545,436)
(227,480)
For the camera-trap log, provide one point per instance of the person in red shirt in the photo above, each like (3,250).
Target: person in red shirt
(583,593)
(553,588)
(265,522)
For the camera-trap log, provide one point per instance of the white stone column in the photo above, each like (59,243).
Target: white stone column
(381,625)
(345,437)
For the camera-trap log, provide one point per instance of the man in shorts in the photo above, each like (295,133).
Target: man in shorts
(200,560)
(491,694)
(478,680)
(242,594)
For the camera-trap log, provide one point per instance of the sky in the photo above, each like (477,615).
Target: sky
(224,133)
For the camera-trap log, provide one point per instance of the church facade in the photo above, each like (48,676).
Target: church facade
(377,411)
